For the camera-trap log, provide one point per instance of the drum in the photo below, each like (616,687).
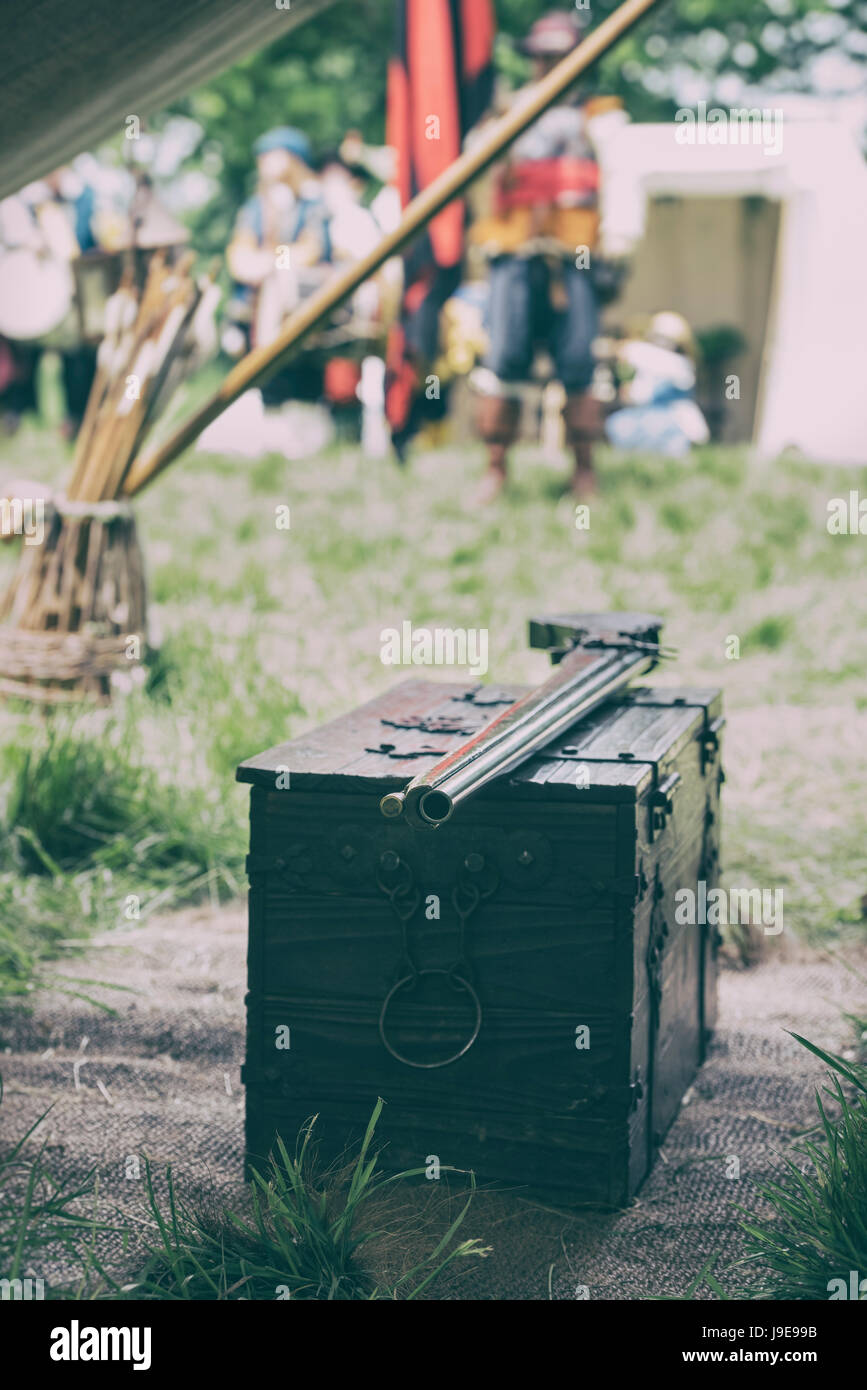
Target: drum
(37,299)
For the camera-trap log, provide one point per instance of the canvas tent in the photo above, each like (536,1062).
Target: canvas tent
(73,70)
(771,241)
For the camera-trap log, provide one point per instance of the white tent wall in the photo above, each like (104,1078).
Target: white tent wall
(808,374)
(815,387)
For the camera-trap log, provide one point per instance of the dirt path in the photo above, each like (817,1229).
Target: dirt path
(162,1078)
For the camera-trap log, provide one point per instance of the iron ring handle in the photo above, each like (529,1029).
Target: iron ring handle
(459,982)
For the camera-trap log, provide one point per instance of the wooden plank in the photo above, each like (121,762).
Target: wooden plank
(639,730)
(325,750)
(363,749)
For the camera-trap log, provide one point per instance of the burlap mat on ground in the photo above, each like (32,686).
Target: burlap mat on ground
(162,1079)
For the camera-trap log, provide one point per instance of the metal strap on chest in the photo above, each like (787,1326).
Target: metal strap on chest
(655,949)
(660,800)
(711,936)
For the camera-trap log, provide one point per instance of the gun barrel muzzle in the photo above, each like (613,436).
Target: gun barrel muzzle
(586,677)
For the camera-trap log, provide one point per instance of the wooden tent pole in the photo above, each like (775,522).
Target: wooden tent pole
(262,362)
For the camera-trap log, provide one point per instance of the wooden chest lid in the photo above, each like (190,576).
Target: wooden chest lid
(381,745)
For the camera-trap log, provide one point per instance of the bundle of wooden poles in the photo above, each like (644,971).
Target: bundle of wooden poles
(75,611)
(145,342)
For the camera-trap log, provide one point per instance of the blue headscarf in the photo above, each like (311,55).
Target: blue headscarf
(285,137)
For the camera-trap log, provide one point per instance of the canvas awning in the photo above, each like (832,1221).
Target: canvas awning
(73,70)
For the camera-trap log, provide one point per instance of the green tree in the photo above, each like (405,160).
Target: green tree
(329,75)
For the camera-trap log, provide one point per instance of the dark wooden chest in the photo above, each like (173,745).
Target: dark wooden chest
(537,925)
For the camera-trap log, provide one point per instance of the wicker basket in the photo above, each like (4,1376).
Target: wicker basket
(75,611)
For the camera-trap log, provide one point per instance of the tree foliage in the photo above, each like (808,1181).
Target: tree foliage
(329,75)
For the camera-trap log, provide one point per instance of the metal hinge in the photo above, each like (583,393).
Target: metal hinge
(708,740)
(661,804)
(641,883)
(636,1091)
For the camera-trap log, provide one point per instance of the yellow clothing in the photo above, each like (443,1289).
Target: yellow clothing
(510,232)
(569,133)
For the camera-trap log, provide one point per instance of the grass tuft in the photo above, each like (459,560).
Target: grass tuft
(340,1235)
(37,1212)
(818,1229)
(303,1238)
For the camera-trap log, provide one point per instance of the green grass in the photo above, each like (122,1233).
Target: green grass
(303,1238)
(93,835)
(38,1213)
(266,633)
(809,1228)
(817,1231)
(302,1234)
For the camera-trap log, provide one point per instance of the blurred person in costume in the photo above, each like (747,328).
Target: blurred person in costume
(66,243)
(19,358)
(660,415)
(379,164)
(45,228)
(280,254)
(357,329)
(554,257)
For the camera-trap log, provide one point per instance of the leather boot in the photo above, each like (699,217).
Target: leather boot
(582,416)
(497,420)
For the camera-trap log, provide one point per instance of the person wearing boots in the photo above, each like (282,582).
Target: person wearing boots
(552,261)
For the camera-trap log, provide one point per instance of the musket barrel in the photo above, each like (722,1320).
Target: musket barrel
(585,678)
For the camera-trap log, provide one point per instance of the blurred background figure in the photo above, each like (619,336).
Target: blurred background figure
(554,257)
(18,358)
(280,253)
(65,242)
(359,216)
(347,191)
(660,415)
(307,219)
(379,164)
(43,230)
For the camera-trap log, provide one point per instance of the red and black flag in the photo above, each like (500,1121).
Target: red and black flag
(439,85)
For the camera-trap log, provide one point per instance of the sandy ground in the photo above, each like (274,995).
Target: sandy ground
(162,1078)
